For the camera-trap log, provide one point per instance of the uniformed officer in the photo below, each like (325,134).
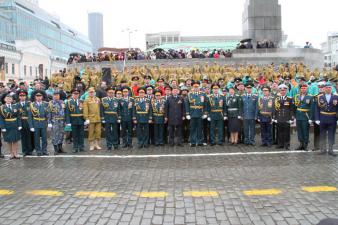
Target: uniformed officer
(326,117)
(234,106)
(126,112)
(196,111)
(249,115)
(283,117)
(265,106)
(27,137)
(93,117)
(142,117)
(56,121)
(37,118)
(316,127)
(74,118)
(158,106)
(216,115)
(10,124)
(111,112)
(303,105)
(150,96)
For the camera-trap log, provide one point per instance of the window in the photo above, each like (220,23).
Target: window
(30,71)
(6,68)
(25,70)
(13,69)
(36,72)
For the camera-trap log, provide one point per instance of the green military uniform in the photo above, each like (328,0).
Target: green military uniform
(158,119)
(111,115)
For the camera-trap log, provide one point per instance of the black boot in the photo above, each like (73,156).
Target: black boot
(305,148)
(1,155)
(56,149)
(60,148)
(331,152)
(301,146)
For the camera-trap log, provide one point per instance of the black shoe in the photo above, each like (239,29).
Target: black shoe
(172,145)
(264,145)
(2,156)
(109,148)
(81,150)
(124,146)
(192,145)
(39,154)
(322,153)
(140,146)
(130,146)
(200,145)
(116,147)
(45,153)
(279,147)
(212,144)
(180,145)
(300,147)
(331,153)
(287,147)
(75,150)
(221,144)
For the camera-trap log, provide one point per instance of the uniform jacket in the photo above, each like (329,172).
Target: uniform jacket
(74,112)
(126,109)
(142,111)
(265,108)
(92,110)
(284,109)
(38,115)
(249,107)
(303,107)
(196,104)
(111,109)
(327,111)
(10,116)
(175,110)
(216,107)
(234,106)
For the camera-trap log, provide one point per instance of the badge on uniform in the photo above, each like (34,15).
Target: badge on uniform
(179,102)
(130,105)
(286,103)
(335,102)
(307,101)
(202,99)
(115,104)
(270,104)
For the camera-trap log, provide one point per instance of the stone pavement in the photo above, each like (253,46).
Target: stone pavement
(256,188)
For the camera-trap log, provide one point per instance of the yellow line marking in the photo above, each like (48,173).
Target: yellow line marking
(319,189)
(45,193)
(200,194)
(95,194)
(261,192)
(152,194)
(6,192)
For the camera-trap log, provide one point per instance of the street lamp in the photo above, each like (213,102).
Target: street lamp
(129,31)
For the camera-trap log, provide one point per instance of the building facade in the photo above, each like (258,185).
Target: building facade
(330,50)
(25,20)
(95,30)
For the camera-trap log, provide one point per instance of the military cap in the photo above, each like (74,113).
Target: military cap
(57,93)
(249,85)
(283,87)
(237,79)
(134,78)
(118,90)
(123,81)
(38,93)
(149,87)
(160,79)
(221,78)
(168,87)
(327,84)
(8,94)
(110,89)
(303,86)
(141,89)
(147,77)
(321,84)
(22,92)
(91,89)
(184,88)
(75,90)
(195,83)
(214,85)
(157,91)
(266,88)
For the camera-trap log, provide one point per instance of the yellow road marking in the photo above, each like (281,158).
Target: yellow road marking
(152,194)
(6,192)
(200,194)
(95,194)
(319,189)
(261,192)
(45,193)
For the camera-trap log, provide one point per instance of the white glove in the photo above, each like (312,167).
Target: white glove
(3,130)
(239,117)
(32,129)
(103,121)
(317,122)
(209,119)
(258,120)
(290,121)
(86,122)
(294,121)
(50,125)
(118,121)
(68,125)
(310,122)
(19,128)
(204,117)
(225,118)
(337,122)
(188,117)
(275,121)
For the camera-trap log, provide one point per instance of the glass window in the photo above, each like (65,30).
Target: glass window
(30,71)
(13,69)
(6,68)
(25,70)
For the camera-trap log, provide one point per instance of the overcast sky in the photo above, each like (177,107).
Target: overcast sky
(303,20)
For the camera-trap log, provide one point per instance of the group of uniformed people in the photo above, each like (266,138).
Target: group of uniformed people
(197,113)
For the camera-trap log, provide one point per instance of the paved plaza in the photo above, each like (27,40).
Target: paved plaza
(209,185)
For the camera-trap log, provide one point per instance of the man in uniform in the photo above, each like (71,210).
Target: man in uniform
(92,115)
(283,117)
(27,137)
(326,117)
(111,112)
(126,112)
(142,117)
(74,118)
(249,115)
(316,127)
(265,107)
(216,115)
(303,105)
(158,106)
(196,111)
(37,118)
(56,121)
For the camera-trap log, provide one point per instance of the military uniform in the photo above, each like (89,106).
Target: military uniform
(234,107)
(111,112)
(158,107)
(249,117)
(196,110)
(142,115)
(27,137)
(174,113)
(74,117)
(326,117)
(92,115)
(265,106)
(283,117)
(10,122)
(216,115)
(37,118)
(57,120)
(126,112)
(303,114)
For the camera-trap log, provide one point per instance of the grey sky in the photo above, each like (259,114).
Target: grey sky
(303,20)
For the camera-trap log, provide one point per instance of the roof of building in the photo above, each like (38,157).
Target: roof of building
(231,45)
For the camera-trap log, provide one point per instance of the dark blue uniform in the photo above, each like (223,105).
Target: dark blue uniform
(37,118)
(111,113)
(174,113)
(142,114)
(74,116)
(158,107)
(265,106)
(10,122)
(126,112)
(326,113)
(27,137)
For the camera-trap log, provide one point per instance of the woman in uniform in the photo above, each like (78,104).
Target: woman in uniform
(234,112)
(10,124)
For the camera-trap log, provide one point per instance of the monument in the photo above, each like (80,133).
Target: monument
(262,21)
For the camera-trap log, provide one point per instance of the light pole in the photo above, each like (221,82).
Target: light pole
(129,31)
